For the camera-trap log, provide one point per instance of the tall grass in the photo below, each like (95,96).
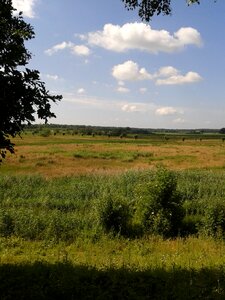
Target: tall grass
(68,238)
(66,208)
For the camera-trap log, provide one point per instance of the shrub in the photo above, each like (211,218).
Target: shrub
(213,222)
(159,206)
(113,214)
(45,133)
(6,224)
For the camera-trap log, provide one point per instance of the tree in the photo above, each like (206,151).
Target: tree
(22,94)
(148,8)
(222,130)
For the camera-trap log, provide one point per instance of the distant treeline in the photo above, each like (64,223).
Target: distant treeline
(117,131)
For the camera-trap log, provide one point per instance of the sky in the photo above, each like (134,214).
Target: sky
(112,69)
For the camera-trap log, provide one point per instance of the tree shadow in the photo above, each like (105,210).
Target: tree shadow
(43,280)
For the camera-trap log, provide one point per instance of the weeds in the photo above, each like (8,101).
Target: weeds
(130,204)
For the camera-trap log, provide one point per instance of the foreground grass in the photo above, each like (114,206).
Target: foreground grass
(140,254)
(52,247)
(147,268)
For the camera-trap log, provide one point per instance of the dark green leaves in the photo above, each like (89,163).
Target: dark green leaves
(22,94)
(148,8)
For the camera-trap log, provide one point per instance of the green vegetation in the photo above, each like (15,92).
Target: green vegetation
(138,232)
(23,95)
(133,204)
(104,236)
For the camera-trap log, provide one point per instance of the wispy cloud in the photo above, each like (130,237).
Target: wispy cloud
(143,90)
(80,50)
(122,89)
(136,107)
(81,91)
(190,77)
(53,77)
(179,121)
(141,36)
(166,111)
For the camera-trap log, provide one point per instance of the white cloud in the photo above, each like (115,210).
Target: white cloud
(143,90)
(167,71)
(26,6)
(134,107)
(166,111)
(109,104)
(81,91)
(190,77)
(80,50)
(59,47)
(188,35)
(121,83)
(52,77)
(179,121)
(130,71)
(122,89)
(142,37)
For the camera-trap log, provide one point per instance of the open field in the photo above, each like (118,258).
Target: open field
(59,193)
(72,155)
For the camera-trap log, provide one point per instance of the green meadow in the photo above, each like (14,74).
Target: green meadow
(96,217)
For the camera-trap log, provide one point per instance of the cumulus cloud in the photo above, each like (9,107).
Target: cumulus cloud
(130,71)
(80,50)
(142,37)
(190,77)
(26,6)
(167,71)
(166,111)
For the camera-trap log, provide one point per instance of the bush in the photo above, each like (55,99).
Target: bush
(113,213)
(6,224)
(159,206)
(45,133)
(213,222)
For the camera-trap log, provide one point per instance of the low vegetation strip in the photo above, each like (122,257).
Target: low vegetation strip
(130,204)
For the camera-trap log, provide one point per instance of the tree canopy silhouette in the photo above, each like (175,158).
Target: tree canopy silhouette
(22,94)
(148,8)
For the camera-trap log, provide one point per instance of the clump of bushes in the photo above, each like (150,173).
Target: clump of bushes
(159,207)
(213,221)
(114,214)
(131,204)
(156,208)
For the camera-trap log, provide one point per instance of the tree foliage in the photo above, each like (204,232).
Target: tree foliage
(22,94)
(148,8)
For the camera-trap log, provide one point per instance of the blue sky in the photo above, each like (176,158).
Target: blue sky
(114,70)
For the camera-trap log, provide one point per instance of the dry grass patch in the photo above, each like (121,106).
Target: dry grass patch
(56,156)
